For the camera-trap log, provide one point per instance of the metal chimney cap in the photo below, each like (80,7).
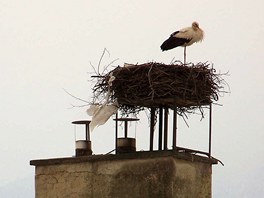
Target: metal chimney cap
(126,119)
(81,122)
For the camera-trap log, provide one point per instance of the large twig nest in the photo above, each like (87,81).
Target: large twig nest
(158,85)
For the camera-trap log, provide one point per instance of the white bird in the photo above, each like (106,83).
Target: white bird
(184,37)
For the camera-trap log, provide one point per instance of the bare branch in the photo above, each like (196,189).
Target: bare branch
(76,97)
(105,69)
(101,58)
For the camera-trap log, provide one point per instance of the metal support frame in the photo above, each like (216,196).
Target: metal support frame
(163,127)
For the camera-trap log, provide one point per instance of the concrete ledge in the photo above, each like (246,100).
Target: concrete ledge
(136,155)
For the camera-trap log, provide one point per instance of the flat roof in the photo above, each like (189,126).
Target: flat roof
(134,155)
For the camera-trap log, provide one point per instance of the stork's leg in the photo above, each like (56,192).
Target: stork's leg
(185,55)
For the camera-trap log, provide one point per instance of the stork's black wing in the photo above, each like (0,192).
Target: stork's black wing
(173,42)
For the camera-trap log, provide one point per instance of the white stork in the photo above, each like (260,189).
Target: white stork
(184,37)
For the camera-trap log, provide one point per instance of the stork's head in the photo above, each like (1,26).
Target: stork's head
(195,25)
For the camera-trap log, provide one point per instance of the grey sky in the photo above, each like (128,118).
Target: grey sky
(48,45)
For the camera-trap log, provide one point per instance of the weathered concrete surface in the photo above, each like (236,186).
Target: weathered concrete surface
(155,175)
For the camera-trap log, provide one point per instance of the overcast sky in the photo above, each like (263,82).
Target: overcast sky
(47,46)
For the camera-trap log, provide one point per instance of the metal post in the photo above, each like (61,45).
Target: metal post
(174,136)
(210,130)
(185,55)
(125,129)
(116,131)
(152,126)
(87,132)
(160,127)
(166,112)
